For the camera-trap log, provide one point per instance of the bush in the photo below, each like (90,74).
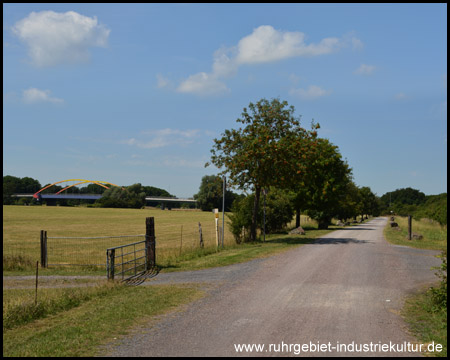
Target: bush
(439,294)
(279,214)
(435,208)
(241,218)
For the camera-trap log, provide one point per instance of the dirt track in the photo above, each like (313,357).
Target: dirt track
(346,288)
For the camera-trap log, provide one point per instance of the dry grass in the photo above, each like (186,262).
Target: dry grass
(176,231)
(434,235)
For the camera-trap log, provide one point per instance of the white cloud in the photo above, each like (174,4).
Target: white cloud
(225,64)
(57,38)
(33,95)
(265,44)
(357,44)
(203,84)
(365,69)
(312,93)
(164,137)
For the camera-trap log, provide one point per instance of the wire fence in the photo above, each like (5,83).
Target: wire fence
(65,250)
(172,241)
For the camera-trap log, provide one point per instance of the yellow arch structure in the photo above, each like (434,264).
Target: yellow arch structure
(81,181)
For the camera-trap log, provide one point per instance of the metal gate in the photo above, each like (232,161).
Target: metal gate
(131,260)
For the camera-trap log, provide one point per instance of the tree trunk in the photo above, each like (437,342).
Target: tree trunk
(323,224)
(255,214)
(297,218)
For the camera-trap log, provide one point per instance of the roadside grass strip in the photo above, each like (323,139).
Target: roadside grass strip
(76,322)
(427,318)
(434,235)
(426,323)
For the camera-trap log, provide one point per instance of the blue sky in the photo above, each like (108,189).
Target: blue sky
(129,93)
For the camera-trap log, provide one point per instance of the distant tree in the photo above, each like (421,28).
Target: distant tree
(93,189)
(10,186)
(118,197)
(406,196)
(210,194)
(29,185)
(15,185)
(154,191)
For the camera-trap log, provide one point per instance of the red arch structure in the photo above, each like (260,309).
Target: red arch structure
(80,181)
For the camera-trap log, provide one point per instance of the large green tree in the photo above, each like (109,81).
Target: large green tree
(264,150)
(326,182)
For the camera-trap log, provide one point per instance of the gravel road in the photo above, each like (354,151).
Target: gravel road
(342,292)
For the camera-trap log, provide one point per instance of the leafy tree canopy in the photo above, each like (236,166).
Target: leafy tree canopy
(270,148)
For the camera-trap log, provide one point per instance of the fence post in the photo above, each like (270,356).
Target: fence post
(409,227)
(201,235)
(110,256)
(150,242)
(43,248)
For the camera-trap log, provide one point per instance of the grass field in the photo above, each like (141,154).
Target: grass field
(177,236)
(434,235)
(177,232)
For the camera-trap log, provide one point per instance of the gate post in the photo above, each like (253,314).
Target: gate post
(110,256)
(150,242)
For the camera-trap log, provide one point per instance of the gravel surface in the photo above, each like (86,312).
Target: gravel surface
(346,288)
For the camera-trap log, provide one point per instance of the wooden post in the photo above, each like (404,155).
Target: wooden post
(111,254)
(409,227)
(46,250)
(216,217)
(150,244)
(37,271)
(43,248)
(201,235)
(181,239)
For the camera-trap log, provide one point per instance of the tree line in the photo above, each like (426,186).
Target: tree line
(270,153)
(413,202)
(132,196)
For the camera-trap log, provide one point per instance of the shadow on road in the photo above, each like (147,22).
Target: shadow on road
(293,240)
(140,278)
(328,241)
(356,228)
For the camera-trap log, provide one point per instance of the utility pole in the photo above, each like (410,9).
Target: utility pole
(265,193)
(223,208)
